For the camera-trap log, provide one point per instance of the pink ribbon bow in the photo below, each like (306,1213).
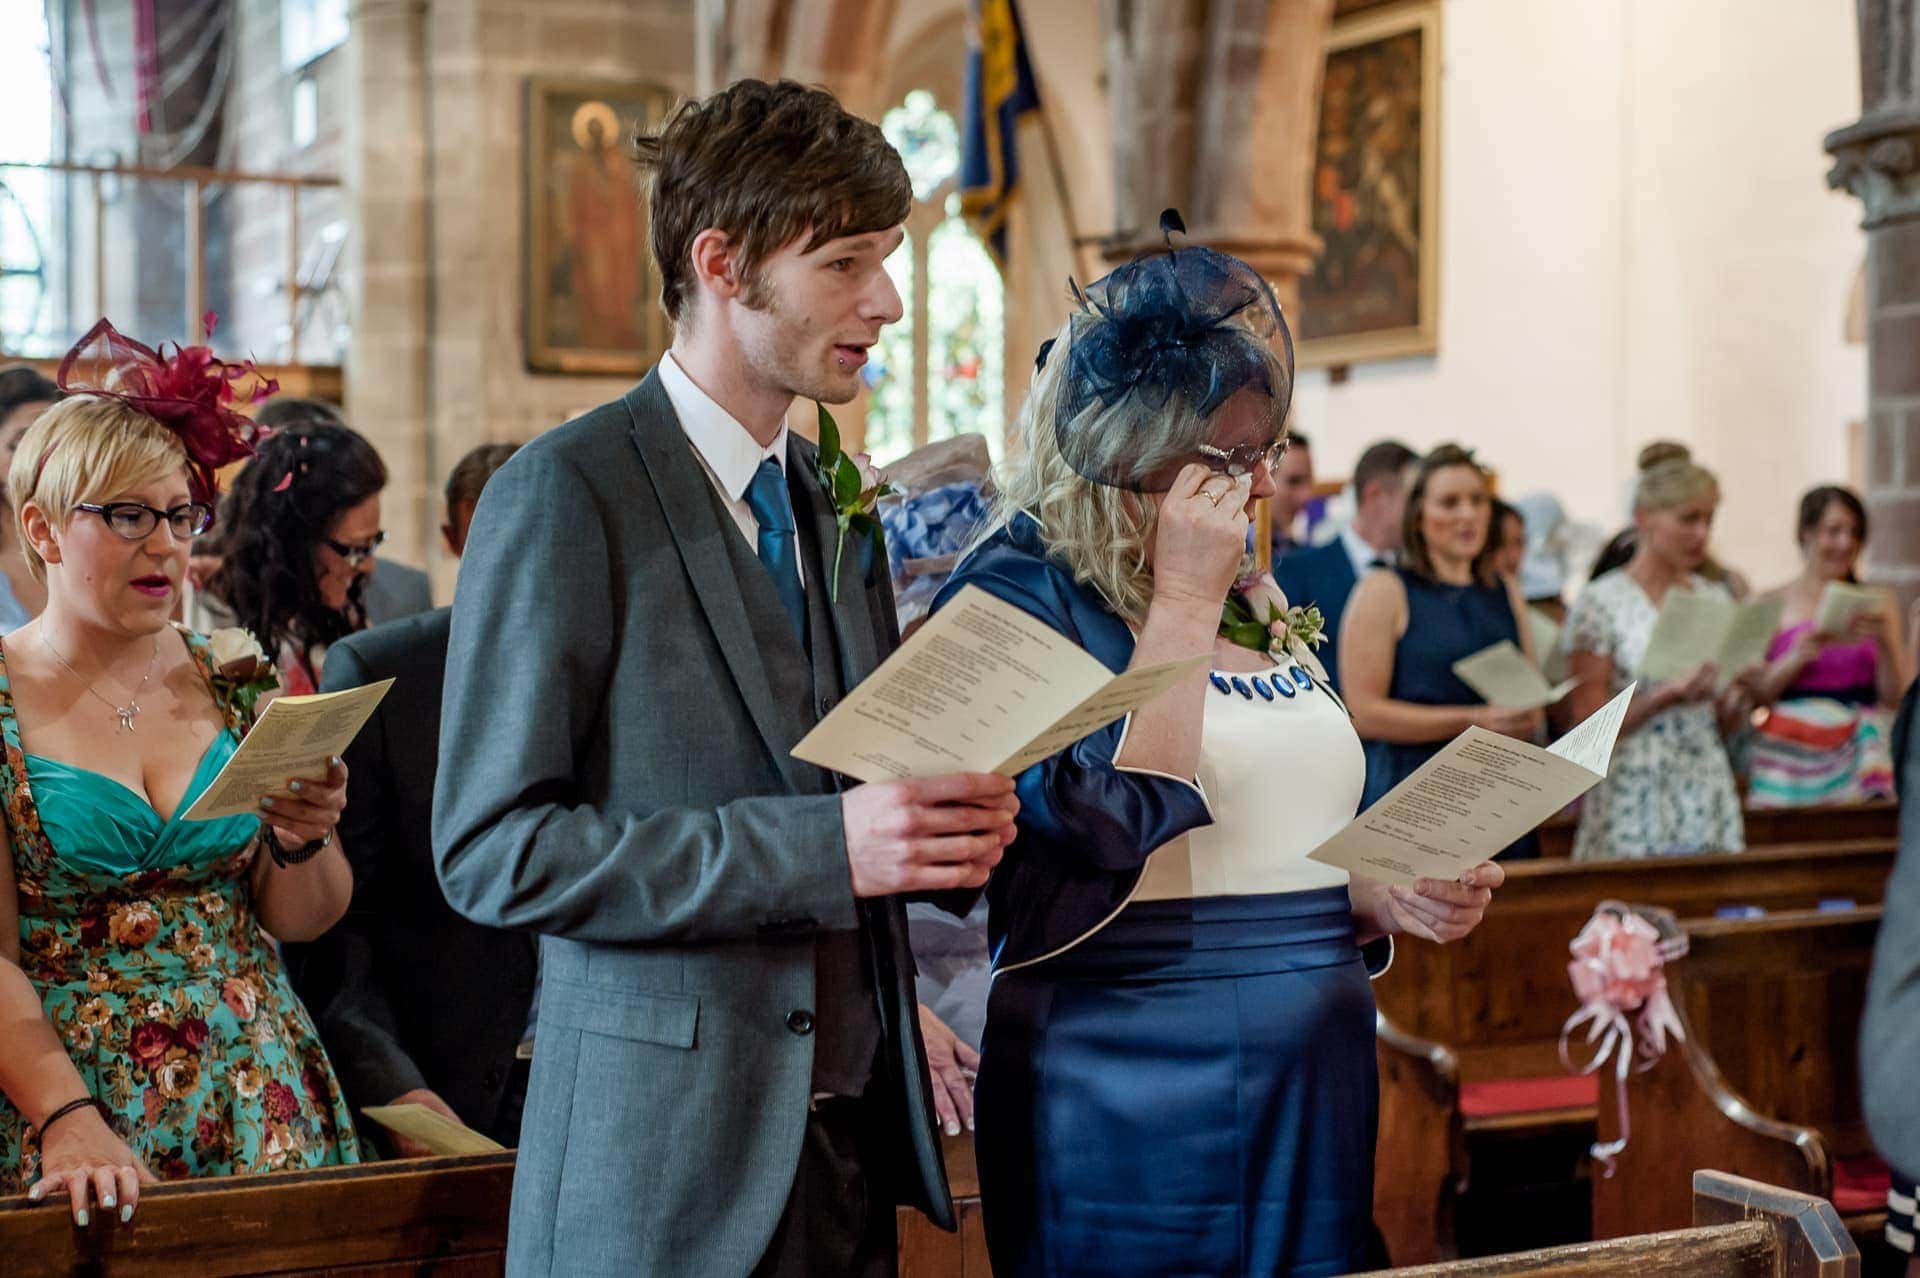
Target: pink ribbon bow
(1616,972)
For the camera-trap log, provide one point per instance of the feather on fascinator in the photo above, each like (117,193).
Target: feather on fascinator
(191,392)
(1161,327)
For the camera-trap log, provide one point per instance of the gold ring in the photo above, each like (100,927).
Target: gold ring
(1214,497)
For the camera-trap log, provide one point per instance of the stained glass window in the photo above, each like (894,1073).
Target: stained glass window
(926,138)
(889,369)
(940,371)
(966,333)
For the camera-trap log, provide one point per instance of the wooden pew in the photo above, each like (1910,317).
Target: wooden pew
(444,1216)
(1469,1032)
(447,1216)
(1766,1083)
(1767,827)
(1740,1229)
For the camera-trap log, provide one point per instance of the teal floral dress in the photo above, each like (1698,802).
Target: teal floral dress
(140,936)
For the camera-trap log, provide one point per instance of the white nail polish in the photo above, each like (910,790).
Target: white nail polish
(126,1213)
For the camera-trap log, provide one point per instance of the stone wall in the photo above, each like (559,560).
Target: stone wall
(436,143)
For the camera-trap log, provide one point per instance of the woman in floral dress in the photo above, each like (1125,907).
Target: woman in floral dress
(150,1031)
(1670,788)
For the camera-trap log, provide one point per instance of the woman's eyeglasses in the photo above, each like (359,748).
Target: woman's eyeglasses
(355,553)
(1235,462)
(136,521)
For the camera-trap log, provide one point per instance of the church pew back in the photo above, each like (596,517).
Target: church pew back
(1767,827)
(1497,998)
(1739,1229)
(1765,1083)
(445,1216)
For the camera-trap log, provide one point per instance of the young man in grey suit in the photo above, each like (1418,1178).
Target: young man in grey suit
(727,1073)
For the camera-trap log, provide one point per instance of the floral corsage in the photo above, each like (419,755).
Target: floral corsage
(854,488)
(242,674)
(1257,616)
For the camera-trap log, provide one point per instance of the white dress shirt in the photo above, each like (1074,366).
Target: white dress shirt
(1362,554)
(725,450)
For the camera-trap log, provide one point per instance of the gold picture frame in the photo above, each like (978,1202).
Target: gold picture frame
(592,291)
(1374,293)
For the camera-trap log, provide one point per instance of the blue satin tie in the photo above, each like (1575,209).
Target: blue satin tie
(768,500)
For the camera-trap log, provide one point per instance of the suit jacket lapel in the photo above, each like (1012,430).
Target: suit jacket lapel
(853,621)
(686,498)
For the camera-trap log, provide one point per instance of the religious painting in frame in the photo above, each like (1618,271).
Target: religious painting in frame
(593,293)
(1374,293)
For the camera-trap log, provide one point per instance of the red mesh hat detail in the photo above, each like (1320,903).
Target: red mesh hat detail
(191,392)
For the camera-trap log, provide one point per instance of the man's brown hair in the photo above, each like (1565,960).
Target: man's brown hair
(765,164)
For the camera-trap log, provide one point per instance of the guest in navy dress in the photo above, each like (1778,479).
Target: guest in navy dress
(1406,626)
(1178,1063)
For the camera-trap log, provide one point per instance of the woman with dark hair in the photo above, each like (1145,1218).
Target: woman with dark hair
(301,525)
(25,393)
(1408,625)
(1824,739)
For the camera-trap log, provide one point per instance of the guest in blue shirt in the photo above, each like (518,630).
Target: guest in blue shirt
(1326,575)
(1408,625)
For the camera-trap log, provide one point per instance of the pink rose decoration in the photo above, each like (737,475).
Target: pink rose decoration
(1617,972)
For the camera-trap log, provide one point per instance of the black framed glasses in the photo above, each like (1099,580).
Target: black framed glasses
(136,521)
(355,553)
(1235,462)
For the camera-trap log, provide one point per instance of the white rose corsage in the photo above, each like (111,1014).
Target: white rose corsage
(242,674)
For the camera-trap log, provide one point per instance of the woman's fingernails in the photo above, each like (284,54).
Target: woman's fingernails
(126,1213)
(80,1218)
(953,1128)
(337,761)
(294,786)
(107,1200)
(267,803)
(35,1194)
(969,1124)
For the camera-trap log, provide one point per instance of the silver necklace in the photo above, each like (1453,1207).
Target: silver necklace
(127,713)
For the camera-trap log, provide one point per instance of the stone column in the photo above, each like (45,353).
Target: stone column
(387,372)
(1215,110)
(1878,159)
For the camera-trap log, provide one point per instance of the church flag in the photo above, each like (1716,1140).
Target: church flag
(1000,89)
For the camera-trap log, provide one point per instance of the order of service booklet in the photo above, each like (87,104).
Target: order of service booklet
(294,737)
(1479,794)
(981,687)
(1503,677)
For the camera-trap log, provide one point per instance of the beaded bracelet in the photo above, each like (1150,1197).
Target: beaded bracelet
(284,856)
(68,1108)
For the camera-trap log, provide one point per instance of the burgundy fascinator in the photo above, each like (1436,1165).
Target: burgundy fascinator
(191,392)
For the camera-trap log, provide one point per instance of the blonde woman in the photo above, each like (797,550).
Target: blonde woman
(1178,1069)
(1670,788)
(149,1030)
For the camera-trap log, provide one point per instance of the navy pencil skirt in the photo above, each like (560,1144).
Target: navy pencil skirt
(1192,1090)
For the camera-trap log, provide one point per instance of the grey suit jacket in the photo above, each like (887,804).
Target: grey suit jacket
(1890,1032)
(395,591)
(616,775)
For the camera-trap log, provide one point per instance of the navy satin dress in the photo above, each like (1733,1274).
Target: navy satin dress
(1445,622)
(1191,1089)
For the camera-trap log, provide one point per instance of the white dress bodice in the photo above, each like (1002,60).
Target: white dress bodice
(1282,774)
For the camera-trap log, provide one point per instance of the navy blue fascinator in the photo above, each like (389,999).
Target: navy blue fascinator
(1190,323)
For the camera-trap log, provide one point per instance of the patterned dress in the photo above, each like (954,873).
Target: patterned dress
(140,936)
(1670,788)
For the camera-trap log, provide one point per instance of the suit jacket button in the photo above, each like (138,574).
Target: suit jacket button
(800,1021)
(825,704)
